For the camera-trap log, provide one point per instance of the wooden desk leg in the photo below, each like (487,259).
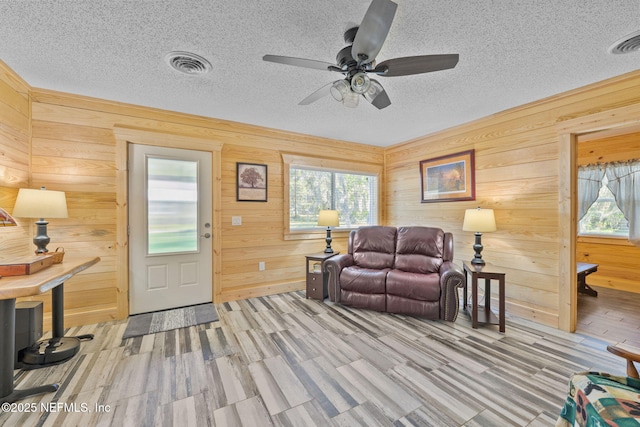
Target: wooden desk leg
(487,296)
(464,292)
(501,297)
(8,394)
(7,351)
(474,301)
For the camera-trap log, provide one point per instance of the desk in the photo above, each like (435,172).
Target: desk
(51,278)
(487,272)
(584,270)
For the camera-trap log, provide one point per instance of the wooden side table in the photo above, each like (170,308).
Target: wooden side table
(484,314)
(317,277)
(584,270)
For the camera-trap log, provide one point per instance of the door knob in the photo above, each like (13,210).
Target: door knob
(206,235)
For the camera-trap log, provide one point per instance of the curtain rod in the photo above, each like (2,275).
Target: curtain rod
(621,162)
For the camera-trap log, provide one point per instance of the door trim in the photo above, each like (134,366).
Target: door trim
(125,135)
(569,133)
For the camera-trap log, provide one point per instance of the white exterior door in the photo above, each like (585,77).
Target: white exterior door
(170,232)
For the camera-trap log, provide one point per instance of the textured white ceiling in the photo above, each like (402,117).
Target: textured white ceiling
(511,52)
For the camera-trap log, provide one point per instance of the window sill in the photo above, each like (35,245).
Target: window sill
(312,234)
(604,240)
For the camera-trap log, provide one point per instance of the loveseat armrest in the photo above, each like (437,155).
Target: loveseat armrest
(451,278)
(334,266)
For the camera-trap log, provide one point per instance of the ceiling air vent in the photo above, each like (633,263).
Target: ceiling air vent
(627,44)
(188,63)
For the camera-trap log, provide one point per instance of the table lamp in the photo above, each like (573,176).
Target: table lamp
(479,221)
(42,204)
(328,218)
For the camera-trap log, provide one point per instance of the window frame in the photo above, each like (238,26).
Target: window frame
(331,165)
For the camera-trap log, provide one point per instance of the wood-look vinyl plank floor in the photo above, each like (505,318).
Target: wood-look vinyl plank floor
(284,360)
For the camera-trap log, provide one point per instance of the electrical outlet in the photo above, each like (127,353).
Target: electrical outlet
(236,220)
(261,266)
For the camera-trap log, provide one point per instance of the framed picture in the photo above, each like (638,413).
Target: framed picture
(448,178)
(251,182)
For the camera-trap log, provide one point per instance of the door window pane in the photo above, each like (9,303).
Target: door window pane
(172,206)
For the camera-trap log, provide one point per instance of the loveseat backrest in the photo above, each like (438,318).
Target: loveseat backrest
(373,246)
(420,249)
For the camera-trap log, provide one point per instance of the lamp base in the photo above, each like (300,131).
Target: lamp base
(41,240)
(477,247)
(328,249)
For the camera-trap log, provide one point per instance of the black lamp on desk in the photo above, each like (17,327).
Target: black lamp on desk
(479,221)
(41,204)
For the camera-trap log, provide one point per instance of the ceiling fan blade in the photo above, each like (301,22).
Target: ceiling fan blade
(416,65)
(320,93)
(373,30)
(377,96)
(300,62)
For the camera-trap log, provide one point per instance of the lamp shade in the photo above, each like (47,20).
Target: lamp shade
(328,218)
(479,220)
(41,203)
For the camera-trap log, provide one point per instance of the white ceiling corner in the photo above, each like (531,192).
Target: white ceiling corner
(511,52)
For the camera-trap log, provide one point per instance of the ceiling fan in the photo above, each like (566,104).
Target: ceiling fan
(357,61)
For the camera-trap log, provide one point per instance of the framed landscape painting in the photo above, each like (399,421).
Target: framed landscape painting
(251,182)
(448,178)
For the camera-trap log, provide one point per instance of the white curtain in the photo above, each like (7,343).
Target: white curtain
(624,183)
(589,183)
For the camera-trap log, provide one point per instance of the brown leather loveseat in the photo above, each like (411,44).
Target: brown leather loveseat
(406,270)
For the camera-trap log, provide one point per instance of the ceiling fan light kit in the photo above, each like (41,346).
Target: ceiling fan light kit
(339,90)
(360,83)
(357,60)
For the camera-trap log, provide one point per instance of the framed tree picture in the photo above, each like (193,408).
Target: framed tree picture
(251,182)
(448,178)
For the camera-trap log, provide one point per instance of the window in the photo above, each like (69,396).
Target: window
(313,184)
(353,195)
(604,217)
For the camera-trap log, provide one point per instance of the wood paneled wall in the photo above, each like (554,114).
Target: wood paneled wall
(74,149)
(15,132)
(617,259)
(517,170)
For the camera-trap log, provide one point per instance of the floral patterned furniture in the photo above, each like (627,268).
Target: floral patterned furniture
(601,399)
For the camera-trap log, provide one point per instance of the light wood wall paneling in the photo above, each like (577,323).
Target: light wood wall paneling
(67,109)
(15,83)
(524,138)
(520,159)
(15,131)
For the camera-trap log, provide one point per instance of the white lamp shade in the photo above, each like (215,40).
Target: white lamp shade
(328,218)
(479,220)
(41,203)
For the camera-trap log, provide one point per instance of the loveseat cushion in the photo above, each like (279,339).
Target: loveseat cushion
(419,249)
(363,280)
(415,286)
(374,247)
